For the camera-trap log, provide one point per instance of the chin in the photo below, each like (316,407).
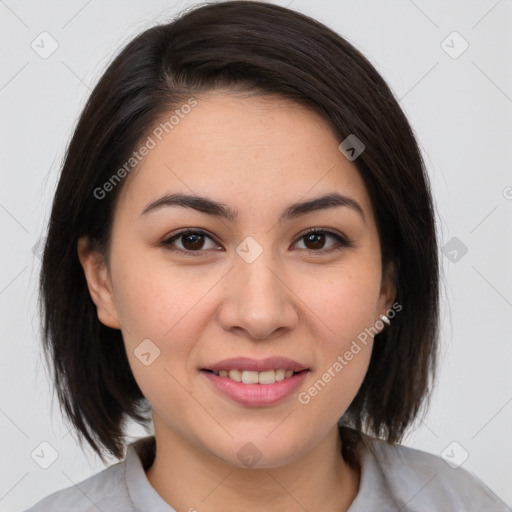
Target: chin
(259,451)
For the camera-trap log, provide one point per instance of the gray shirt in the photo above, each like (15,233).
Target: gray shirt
(393,478)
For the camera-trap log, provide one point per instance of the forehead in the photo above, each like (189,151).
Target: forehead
(243,150)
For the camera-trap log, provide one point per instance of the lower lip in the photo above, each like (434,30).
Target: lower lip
(256,394)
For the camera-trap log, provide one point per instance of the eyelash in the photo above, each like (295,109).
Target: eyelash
(341,241)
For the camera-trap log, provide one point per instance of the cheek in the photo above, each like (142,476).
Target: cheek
(161,314)
(157,302)
(346,308)
(346,303)
(163,311)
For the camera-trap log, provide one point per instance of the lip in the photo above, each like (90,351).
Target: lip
(256,365)
(256,395)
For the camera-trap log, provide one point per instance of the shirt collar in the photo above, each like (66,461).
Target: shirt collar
(139,456)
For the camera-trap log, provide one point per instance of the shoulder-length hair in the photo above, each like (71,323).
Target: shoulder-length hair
(270,50)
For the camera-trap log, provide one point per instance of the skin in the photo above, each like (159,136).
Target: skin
(256,154)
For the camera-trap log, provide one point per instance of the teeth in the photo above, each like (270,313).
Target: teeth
(235,375)
(280,374)
(252,377)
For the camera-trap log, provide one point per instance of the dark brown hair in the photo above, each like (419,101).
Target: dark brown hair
(268,49)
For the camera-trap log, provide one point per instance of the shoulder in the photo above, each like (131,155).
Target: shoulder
(105,491)
(420,481)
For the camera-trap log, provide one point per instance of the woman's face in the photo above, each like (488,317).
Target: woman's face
(248,282)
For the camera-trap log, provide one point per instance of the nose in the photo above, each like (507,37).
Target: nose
(258,300)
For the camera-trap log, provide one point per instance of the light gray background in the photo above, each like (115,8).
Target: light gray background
(460,109)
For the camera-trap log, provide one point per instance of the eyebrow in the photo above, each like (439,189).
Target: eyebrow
(217,209)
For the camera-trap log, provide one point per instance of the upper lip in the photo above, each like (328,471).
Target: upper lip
(256,365)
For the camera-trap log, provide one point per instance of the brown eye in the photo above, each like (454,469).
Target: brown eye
(190,242)
(315,241)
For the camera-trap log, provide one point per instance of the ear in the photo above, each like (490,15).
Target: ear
(98,282)
(388,288)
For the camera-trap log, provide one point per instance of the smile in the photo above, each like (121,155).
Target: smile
(253,388)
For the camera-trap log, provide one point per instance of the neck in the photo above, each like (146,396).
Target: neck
(189,479)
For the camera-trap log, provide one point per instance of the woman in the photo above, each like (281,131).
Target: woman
(242,249)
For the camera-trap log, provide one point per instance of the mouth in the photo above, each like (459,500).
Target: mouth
(252,382)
